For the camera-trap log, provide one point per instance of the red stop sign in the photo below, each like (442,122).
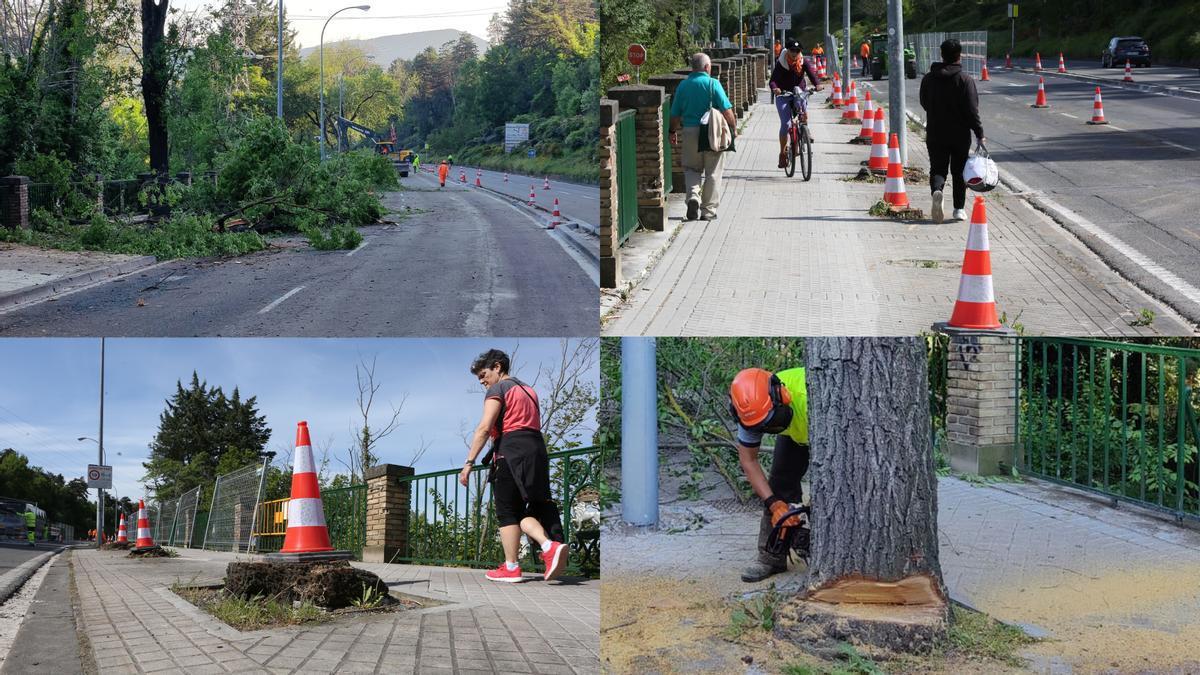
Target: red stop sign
(637,54)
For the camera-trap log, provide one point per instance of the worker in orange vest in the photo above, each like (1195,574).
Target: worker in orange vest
(443,171)
(865,52)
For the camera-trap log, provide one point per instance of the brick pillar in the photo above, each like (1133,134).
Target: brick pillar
(610,252)
(647,101)
(720,70)
(388,506)
(739,83)
(14,202)
(670,83)
(981,402)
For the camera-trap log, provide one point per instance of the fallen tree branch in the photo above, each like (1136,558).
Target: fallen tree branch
(733,483)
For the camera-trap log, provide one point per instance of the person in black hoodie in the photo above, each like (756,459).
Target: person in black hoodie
(951,106)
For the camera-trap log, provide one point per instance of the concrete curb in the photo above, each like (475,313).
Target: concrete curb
(15,578)
(1110,255)
(1136,86)
(589,246)
(50,288)
(576,240)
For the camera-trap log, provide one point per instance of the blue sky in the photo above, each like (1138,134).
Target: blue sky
(49,393)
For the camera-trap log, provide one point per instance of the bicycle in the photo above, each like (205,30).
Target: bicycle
(799,139)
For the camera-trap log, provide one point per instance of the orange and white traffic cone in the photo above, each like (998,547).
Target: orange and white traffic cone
(1040,102)
(478,181)
(1097,110)
(868,118)
(976,304)
(851,112)
(532,196)
(1037,64)
(1008,61)
(462,176)
(821,74)
(1128,72)
(306,531)
(144,539)
(837,92)
(878,163)
(122,535)
(556,217)
(893,187)
(983,74)
(1062,65)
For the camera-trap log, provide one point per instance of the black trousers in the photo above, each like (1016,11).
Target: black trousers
(788,467)
(947,157)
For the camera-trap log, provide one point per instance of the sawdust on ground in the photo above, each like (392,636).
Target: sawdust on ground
(1142,620)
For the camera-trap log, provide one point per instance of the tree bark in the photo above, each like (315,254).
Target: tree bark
(156,77)
(874,495)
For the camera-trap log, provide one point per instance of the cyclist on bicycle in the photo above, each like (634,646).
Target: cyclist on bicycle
(788,74)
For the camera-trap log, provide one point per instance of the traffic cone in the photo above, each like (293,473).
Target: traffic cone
(821,75)
(546,184)
(976,304)
(1040,102)
(556,217)
(462,176)
(851,112)
(855,60)
(1062,65)
(893,187)
(1097,110)
(837,92)
(1128,73)
(306,531)
(1008,61)
(144,540)
(878,163)
(1037,65)
(532,197)
(983,75)
(868,118)
(477,181)
(122,535)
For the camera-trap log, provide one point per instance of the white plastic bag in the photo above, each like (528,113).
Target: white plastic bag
(980,173)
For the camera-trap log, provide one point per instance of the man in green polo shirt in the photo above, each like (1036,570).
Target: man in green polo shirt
(772,403)
(691,101)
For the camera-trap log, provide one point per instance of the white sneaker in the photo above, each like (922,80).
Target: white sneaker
(936,211)
(959,215)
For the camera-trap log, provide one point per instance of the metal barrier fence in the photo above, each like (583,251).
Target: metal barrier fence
(345,516)
(627,213)
(121,196)
(668,182)
(928,47)
(452,525)
(185,518)
(41,196)
(234,506)
(165,523)
(1112,417)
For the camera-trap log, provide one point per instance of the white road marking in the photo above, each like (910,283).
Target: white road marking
(1113,126)
(1068,115)
(1010,99)
(359,247)
(1181,147)
(280,299)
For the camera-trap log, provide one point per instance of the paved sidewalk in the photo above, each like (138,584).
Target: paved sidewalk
(30,273)
(137,625)
(793,258)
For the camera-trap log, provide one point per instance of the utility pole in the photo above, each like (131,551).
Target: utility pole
(741,36)
(897,121)
(717,42)
(100,453)
(845,46)
(279,67)
(639,431)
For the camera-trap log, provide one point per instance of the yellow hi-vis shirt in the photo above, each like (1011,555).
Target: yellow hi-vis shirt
(793,380)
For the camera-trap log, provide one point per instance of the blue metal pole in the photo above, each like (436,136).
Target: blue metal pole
(639,432)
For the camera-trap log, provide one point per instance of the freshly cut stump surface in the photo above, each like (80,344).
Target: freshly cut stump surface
(149,552)
(878,631)
(332,585)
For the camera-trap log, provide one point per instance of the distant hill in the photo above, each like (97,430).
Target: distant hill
(404,46)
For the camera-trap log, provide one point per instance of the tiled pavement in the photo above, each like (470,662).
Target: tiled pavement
(792,258)
(137,625)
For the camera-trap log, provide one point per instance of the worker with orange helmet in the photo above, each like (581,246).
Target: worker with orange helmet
(443,171)
(772,403)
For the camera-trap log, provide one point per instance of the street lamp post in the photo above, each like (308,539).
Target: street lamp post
(279,68)
(321,117)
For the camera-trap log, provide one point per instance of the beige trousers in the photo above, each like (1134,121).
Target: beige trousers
(699,166)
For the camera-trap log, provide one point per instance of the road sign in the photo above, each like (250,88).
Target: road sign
(99,476)
(636,54)
(532,152)
(783,21)
(514,135)
(1012,10)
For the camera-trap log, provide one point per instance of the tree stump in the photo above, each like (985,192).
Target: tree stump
(332,585)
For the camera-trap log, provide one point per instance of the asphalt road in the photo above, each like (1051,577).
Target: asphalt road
(575,201)
(13,554)
(464,263)
(1134,178)
(1165,76)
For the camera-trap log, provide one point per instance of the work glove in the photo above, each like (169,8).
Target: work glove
(778,509)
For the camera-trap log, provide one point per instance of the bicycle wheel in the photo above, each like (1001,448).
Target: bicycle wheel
(790,168)
(805,153)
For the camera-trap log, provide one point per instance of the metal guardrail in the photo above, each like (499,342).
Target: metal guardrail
(1116,418)
(627,212)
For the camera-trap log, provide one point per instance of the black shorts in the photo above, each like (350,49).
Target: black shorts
(521,494)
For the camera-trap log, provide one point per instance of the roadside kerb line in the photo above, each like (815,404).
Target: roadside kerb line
(34,298)
(1073,222)
(359,247)
(592,268)
(14,579)
(285,296)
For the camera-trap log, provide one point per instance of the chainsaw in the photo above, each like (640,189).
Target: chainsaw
(797,539)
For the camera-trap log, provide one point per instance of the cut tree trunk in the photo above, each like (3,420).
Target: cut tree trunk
(874,578)
(156,77)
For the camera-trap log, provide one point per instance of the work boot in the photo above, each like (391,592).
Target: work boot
(959,215)
(693,209)
(936,211)
(783,160)
(759,571)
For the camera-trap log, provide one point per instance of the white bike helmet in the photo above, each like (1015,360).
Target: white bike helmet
(980,172)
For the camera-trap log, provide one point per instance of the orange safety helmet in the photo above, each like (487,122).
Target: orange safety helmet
(759,401)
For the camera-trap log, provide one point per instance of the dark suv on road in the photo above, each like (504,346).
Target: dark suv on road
(1119,49)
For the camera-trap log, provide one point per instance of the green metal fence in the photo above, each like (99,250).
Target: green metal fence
(346,516)
(627,215)
(454,525)
(668,179)
(1118,418)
